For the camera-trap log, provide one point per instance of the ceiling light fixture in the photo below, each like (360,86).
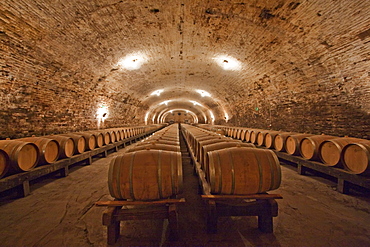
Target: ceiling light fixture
(133,61)
(227,62)
(157,92)
(203,93)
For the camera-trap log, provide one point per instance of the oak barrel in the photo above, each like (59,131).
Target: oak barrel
(280,140)
(217,146)
(309,146)
(49,149)
(155,146)
(292,143)
(23,156)
(4,163)
(270,137)
(81,143)
(145,175)
(90,140)
(331,150)
(99,137)
(211,141)
(66,144)
(356,158)
(240,171)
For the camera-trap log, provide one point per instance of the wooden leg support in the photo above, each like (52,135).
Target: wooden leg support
(301,170)
(117,212)
(269,209)
(113,225)
(173,222)
(342,186)
(212,217)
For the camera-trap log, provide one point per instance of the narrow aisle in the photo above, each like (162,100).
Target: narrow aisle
(192,220)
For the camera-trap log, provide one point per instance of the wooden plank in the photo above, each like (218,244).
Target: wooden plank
(341,174)
(133,203)
(252,196)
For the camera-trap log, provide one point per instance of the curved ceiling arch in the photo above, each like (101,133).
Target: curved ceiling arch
(192,114)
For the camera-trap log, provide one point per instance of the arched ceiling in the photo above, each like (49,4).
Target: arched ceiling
(281,46)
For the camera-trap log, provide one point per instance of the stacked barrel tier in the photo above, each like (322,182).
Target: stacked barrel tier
(24,154)
(164,139)
(18,156)
(232,166)
(150,170)
(67,145)
(49,149)
(345,153)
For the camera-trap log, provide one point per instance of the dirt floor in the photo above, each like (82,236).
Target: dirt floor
(61,212)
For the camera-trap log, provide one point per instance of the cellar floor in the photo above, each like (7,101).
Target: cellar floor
(61,212)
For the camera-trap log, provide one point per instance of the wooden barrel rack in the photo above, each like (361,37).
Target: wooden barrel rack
(345,179)
(118,211)
(22,180)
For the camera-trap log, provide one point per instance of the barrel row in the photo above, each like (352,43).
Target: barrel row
(231,166)
(25,154)
(150,170)
(347,153)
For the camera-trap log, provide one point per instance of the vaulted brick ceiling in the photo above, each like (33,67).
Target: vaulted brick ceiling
(290,54)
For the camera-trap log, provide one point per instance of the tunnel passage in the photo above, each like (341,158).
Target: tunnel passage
(283,65)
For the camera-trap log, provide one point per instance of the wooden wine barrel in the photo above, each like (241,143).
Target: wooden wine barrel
(80,142)
(66,145)
(23,156)
(254,134)
(280,140)
(4,163)
(270,137)
(309,146)
(230,132)
(241,171)
(163,141)
(217,146)
(211,141)
(107,137)
(330,151)
(220,131)
(201,140)
(292,143)
(49,149)
(89,141)
(145,175)
(156,146)
(236,133)
(99,138)
(260,141)
(248,135)
(243,133)
(356,158)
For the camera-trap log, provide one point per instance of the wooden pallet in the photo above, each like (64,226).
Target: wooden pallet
(344,178)
(22,180)
(118,211)
(264,206)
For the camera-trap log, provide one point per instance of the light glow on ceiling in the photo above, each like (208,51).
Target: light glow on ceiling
(226,116)
(165,102)
(212,116)
(133,61)
(195,103)
(203,93)
(227,62)
(157,92)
